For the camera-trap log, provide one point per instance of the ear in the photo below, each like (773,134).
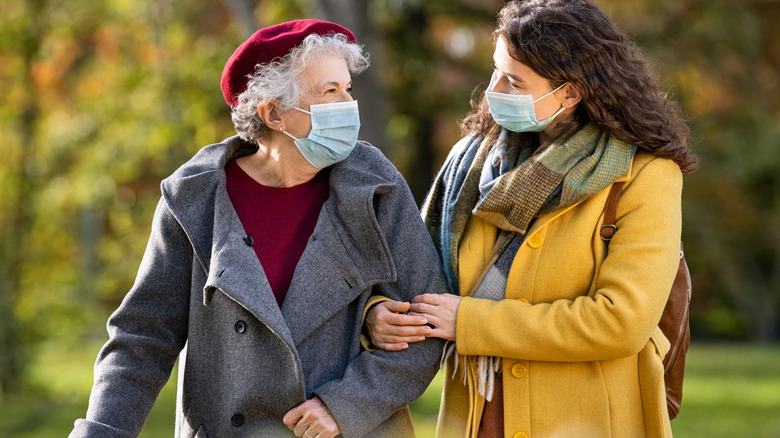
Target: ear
(269,114)
(571,95)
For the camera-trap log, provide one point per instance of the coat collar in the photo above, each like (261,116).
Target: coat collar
(346,241)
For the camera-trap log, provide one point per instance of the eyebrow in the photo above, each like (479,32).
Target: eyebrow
(332,84)
(509,75)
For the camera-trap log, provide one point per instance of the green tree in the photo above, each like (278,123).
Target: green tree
(721,60)
(19,118)
(103,100)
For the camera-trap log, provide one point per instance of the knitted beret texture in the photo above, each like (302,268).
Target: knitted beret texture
(267,45)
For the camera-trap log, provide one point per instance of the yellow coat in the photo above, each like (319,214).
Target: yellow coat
(582,353)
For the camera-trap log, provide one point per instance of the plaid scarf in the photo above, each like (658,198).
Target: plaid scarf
(526,185)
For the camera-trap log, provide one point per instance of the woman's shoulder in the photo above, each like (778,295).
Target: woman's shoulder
(366,151)
(203,170)
(214,156)
(652,177)
(648,165)
(367,158)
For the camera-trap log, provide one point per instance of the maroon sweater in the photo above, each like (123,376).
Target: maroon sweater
(279,220)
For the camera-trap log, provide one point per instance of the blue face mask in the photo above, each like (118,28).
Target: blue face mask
(334,133)
(516,112)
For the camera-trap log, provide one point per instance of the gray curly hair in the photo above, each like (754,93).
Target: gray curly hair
(278,80)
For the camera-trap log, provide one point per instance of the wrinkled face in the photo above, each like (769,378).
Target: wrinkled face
(324,80)
(513,77)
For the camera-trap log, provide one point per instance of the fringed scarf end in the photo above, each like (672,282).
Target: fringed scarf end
(487,367)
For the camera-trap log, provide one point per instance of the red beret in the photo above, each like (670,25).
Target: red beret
(267,45)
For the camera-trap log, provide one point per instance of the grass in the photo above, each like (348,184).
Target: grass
(730,391)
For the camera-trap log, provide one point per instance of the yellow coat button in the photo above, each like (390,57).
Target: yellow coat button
(520,435)
(522,300)
(519,370)
(535,241)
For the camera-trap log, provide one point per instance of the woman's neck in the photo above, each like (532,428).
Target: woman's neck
(277,163)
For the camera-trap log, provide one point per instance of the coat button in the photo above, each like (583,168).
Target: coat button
(240,326)
(522,300)
(519,370)
(520,435)
(535,241)
(248,239)
(237,420)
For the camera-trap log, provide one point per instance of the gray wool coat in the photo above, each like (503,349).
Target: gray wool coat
(201,296)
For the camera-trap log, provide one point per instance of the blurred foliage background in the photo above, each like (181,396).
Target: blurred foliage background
(102,100)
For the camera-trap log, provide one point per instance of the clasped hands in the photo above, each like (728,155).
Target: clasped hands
(393,325)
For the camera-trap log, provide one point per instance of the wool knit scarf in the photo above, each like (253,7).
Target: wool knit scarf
(534,183)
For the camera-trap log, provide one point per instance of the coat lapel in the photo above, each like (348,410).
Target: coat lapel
(345,255)
(236,272)
(217,236)
(325,282)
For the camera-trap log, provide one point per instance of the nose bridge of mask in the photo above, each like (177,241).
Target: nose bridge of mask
(329,115)
(507,96)
(516,112)
(336,122)
(333,115)
(492,80)
(515,97)
(326,115)
(333,135)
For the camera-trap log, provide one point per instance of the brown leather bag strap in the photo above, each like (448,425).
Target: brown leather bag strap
(674,320)
(610,211)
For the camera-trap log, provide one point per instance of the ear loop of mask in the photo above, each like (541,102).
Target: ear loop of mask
(551,92)
(287,133)
(563,108)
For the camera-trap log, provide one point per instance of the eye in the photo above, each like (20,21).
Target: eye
(514,85)
(349,90)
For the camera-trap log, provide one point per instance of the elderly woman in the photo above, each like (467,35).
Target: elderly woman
(264,251)
(553,336)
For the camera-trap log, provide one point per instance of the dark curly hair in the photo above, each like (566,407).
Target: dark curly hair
(574,41)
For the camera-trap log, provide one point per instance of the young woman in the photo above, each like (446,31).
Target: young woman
(554,337)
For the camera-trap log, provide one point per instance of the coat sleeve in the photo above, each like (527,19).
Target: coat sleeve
(146,334)
(377,384)
(631,287)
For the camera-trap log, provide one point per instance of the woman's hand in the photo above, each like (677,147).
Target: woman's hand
(392,330)
(441,311)
(312,419)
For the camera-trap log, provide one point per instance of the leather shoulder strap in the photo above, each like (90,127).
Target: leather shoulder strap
(610,211)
